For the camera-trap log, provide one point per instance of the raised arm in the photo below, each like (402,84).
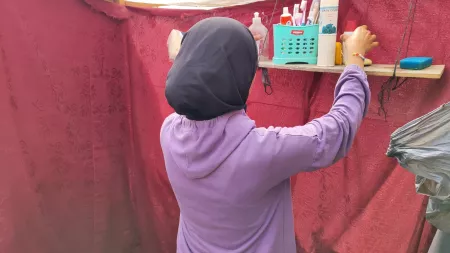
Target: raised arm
(323,141)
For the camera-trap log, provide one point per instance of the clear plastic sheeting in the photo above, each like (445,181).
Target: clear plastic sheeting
(438,214)
(441,243)
(423,147)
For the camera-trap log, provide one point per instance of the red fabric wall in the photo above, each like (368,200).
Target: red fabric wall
(64,131)
(82,101)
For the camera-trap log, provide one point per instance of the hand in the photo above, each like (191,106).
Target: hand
(361,41)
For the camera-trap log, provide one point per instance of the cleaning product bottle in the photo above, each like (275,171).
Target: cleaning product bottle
(328,19)
(263,44)
(297,15)
(350,27)
(303,8)
(286,17)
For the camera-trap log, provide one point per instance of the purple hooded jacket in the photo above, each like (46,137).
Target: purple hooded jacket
(232,179)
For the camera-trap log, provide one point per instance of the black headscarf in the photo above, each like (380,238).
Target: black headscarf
(214,69)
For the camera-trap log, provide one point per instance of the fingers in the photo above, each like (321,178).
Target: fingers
(344,37)
(362,38)
(375,44)
(372,46)
(362,28)
(371,37)
(371,40)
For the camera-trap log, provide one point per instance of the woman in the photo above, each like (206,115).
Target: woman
(230,178)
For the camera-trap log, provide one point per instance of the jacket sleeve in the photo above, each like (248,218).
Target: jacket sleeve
(321,142)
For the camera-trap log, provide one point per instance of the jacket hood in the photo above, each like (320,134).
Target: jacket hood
(200,147)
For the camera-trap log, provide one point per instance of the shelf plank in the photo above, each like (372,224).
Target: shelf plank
(433,72)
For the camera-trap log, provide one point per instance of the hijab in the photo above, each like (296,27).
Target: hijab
(213,71)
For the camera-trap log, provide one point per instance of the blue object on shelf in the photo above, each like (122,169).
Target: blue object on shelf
(295,44)
(416,63)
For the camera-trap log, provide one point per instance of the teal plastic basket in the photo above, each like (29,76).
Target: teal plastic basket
(295,44)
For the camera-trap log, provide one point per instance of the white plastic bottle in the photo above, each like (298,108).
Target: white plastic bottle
(328,21)
(350,27)
(263,44)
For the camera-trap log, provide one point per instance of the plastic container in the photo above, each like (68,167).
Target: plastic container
(295,44)
(262,44)
(286,17)
(328,21)
(350,28)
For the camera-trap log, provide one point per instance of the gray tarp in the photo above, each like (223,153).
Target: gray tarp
(441,243)
(423,147)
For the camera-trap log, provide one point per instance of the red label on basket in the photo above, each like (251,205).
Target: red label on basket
(297,32)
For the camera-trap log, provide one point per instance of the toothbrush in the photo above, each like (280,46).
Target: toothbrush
(297,15)
(303,8)
(313,12)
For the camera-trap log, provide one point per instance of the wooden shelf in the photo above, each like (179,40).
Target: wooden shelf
(433,72)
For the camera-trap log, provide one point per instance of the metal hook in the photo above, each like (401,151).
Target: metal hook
(270,89)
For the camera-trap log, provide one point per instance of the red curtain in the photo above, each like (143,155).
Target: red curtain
(82,101)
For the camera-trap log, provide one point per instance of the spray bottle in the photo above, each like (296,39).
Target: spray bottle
(263,44)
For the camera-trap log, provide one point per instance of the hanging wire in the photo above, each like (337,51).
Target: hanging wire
(385,93)
(266,81)
(270,22)
(265,72)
